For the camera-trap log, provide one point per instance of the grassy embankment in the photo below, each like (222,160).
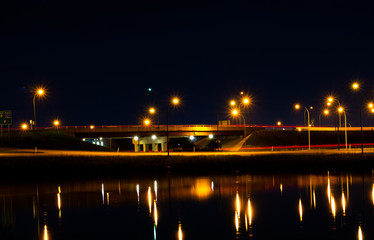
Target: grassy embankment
(46,140)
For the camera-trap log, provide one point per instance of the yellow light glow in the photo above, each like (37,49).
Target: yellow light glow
(246,101)
(232,103)
(24,126)
(152,110)
(279,123)
(299,129)
(340,109)
(330,99)
(40,91)
(300,210)
(249,212)
(372,110)
(370,105)
(281,187)
(235,112)
(236,221)
(107,198)
(155,213)
(326,112)
(343,203)
(56,122)
(297,106)
(333,206)
(175,101)
(92,126)
(202,188)
(360,236)
(329,104)
(314,199)
(372,193)
(150,199)
(237,202)
(355,85)
(328,189)
(45,232)
(147,122)
(180,233)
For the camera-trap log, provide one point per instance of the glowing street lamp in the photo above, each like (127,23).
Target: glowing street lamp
(147,122)
(341,110)
(56,123)
(39,92)
(235,113)
(297,107)
(152,110)
(325,112)
(24,126)
(175,101)
(232,103)
(279,123)
(355,86)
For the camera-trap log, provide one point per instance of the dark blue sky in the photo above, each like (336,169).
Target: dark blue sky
(97,58)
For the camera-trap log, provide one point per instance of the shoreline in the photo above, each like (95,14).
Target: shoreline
(56,164)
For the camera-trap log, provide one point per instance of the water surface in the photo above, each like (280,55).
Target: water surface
(241,206)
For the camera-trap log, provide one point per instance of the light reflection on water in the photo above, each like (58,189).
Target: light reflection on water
(285,207)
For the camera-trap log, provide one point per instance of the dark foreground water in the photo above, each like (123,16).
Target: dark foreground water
(313,206)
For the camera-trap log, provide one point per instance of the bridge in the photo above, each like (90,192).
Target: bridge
(153,138)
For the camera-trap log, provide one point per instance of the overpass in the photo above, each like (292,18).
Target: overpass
(152,138)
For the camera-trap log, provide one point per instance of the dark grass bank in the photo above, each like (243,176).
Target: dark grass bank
(42,167)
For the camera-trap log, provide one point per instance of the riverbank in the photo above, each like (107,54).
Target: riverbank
(47,164)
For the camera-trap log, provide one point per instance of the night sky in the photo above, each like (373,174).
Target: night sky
(98,58)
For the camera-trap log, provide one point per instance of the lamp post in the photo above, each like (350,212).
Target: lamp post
(235,112)
(325,112)
(39,92)
(297,107)
(175,101)
(355,87)
(341,110)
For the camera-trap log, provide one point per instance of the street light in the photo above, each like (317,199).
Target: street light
(174,102)
(39,92)
(279,123)
(24,126)
(325,112)
(56,123)
(355,86)
(147,122)
(341,110)
(297,107)
(235,112)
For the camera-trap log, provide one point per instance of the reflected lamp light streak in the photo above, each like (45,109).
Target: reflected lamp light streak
(236,221)
(137,192)
(150,199)
(237,200)
(333,206)
(102,193)
(249,212)
(180,233)
(300,210)
(343,203)
(155,213)
(155,186)
(45,235)
(360,236)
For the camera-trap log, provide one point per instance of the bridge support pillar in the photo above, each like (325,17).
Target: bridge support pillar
(150,144)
